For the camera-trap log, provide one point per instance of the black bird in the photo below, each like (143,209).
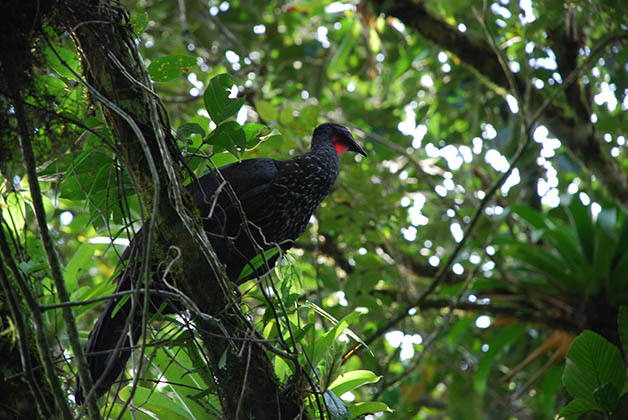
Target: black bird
(278,198)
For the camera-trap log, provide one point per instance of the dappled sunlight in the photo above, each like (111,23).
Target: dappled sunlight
(448,270)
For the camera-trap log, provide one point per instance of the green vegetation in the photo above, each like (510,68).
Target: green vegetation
(473,266)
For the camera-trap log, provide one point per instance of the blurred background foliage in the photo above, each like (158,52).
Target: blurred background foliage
(485,230)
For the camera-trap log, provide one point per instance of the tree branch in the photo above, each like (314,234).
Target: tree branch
(576,132)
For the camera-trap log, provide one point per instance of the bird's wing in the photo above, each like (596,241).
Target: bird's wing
(250,180)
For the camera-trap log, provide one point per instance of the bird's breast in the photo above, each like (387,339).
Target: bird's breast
(299,189)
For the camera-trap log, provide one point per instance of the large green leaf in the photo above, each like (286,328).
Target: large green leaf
(78,264)
(336,408)
(228,136)
(576,408)
(338,62)
(594,371)
(254,133)
(353,379)
(217,101)
(565,240)
(186,130)
(360,409)
(13,211)
(340,326)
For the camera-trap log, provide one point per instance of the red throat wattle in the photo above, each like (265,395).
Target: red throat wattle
(340,147)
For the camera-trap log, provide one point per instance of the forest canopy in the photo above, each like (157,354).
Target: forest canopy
(474,265)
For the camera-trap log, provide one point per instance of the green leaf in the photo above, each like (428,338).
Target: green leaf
(267,112)
(169,67)
(257,262)
(605,242)
(60,59)
(139,22)
(79,262)
(557,272)
(561,237)
(348,319)
(223,359)
(53,85)
(85,293)
(254,132)
(228,136)
(151,401)
(549,389)
(565,240)
(336,407)
(606,396)
(14,211)
(531,216)
(186,130)
(351,380)
(362,409)
(576,408)
(434,126)
(581,220)
(217,101)
(338,63)
(324,343)
(286,116)
(186,379)
(593,362)
(309,115)
(33,266)
(123,300)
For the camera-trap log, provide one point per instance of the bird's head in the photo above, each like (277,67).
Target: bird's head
(340,137)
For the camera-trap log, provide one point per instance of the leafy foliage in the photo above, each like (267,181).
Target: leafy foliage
(594,375)
(424,287)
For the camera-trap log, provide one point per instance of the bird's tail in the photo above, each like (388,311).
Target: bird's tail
(109,344)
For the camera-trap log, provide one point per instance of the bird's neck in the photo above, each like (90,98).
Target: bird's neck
(325,147)
(327,154)
(320,163)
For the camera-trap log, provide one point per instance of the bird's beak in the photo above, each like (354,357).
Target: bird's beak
(354,146)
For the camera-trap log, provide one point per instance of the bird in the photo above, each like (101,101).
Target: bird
(277,197)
